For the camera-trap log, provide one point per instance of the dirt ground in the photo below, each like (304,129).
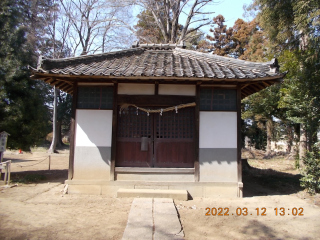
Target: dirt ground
(36,208)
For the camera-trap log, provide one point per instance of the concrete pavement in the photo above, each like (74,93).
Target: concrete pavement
(153,218)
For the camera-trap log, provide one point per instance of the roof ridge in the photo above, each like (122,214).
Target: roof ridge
(81,57)
(158,46)
(225,58)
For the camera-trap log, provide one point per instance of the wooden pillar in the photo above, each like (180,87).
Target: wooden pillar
(114,131)
(239,163)
(196,135)
(72,131)
(156,88)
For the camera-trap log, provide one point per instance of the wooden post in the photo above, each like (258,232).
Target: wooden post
(9,171)
(49,161)
(156,88)
(1,156)
(73,129)
(114,131)
(6,173)
(196,135)
(239,139)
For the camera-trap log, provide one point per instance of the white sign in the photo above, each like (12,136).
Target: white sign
(3,142)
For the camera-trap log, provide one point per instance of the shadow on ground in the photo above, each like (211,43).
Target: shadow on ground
(39,176)
(264,182)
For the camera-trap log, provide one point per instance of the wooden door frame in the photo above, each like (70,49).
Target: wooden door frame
(154,100)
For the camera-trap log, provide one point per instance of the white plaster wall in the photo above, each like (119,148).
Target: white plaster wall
(176,89)
(136,89)
(93,144)
(218,171)
(92,163)
(218,130)
(94,128)
(218,147)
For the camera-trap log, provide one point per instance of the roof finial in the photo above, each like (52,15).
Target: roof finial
(274,66)
(135,44)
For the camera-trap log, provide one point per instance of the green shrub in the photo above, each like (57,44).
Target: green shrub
(311,172)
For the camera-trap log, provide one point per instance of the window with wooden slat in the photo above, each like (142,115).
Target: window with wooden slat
(218,99)
(175,125)
(133,125)
(97,97)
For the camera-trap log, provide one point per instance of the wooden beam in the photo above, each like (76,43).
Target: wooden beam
(245,91)
(67,88)
(114,132)
(156,88)
(153,170)
(255,88)
(261,86)
(49,80)
(244,86)
(152,100)
(46,79)
(53,83)
(239,177)
(72,131)
(266,84)
(196,136)
(62,84)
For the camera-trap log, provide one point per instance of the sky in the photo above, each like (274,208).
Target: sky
(231,10)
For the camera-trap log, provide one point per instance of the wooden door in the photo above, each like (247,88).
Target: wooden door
(131,128)
(170,139)
(174,139)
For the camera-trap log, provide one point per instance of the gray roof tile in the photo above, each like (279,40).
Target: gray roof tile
(167,62)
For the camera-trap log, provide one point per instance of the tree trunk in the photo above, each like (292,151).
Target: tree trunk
(290,138)
(52,148)
(269,137)
(303,144)
(59,136)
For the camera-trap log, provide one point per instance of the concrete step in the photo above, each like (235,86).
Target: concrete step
(153,193)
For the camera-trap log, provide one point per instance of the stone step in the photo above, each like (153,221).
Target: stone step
(153,193)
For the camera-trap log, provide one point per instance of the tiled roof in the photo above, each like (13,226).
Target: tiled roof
(150,62)
(158,61)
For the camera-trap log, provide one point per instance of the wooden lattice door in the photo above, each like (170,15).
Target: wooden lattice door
(173,139)
(132,127)
(169,138)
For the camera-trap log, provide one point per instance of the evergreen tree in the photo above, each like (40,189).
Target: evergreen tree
(293,28)
(147,28)
(23,110)
(222,37)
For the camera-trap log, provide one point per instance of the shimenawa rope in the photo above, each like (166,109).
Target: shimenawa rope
(161,110)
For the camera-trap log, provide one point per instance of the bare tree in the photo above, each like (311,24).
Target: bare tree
(167,14)
(94,23)
(53,145)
